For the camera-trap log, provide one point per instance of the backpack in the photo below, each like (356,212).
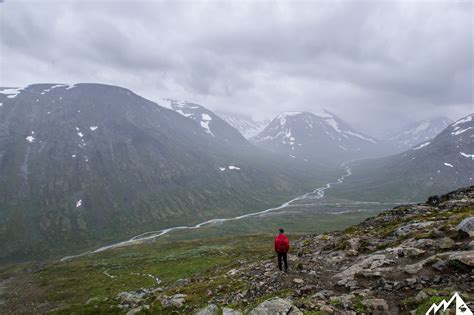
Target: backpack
(283,245)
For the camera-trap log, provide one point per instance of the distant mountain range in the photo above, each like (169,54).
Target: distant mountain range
(85,164)
(416,133)
(246,125)
(431,167)
(324,138)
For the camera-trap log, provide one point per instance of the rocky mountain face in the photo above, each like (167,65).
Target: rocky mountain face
(398,262)
(84,164)
(443,163)
(416,133)
(246,125)
(212,124)
(309,137)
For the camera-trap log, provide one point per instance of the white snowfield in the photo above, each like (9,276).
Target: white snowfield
(448,164)
(318,193)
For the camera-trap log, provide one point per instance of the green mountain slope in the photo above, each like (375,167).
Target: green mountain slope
(88,164)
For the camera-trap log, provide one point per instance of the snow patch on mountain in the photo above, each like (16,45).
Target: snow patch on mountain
(458,131)
(448,164)
(421,145)
(230,167)
(11,92)
(206,119)
(467,155)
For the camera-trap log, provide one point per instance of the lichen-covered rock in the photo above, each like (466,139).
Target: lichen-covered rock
(276,306)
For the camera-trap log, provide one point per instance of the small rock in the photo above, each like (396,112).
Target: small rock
(377,306)
(411,282)
(421,296)
(230,311)
(307,289)
(413,269)
(211,309)
(326,309)
(445,243)
(471,245)
(180,283)
(323,294)
(440,265)
(176,300)
(276,306)
(298,281)
(412,252)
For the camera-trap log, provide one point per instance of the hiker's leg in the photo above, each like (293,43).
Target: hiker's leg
(285,260)
(280,256)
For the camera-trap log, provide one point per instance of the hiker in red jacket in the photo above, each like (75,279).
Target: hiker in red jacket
(282,245)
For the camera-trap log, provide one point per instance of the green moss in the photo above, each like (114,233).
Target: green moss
(359,306)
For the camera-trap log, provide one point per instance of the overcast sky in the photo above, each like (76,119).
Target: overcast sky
(375,64)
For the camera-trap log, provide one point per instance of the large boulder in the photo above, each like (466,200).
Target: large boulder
(466,227)
(276,306)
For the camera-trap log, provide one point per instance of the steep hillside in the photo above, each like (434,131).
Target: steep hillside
(88,163)
(308,137)
(416,133)
(441,164)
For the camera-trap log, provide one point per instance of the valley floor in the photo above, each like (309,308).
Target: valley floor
(398,261)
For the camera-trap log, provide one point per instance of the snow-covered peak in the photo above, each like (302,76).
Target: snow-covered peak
(306,136)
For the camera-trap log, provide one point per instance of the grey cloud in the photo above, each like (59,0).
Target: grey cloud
(377,64)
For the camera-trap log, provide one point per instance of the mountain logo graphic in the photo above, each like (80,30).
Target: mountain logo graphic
(461,307)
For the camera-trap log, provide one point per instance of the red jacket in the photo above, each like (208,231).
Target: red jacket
(282,244)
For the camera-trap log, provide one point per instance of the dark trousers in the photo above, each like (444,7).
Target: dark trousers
(282,256)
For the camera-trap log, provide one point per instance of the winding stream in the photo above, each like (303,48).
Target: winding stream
(318,193)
